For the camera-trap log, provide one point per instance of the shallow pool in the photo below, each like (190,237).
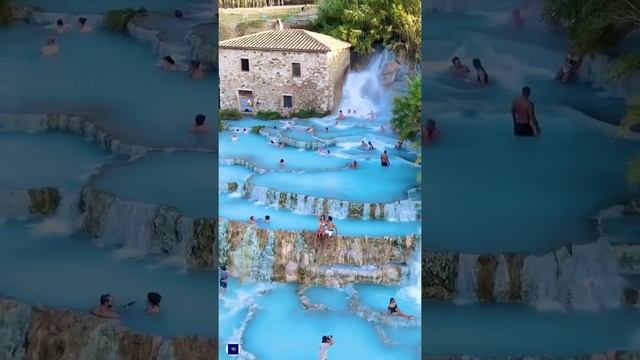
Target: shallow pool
(46,159)
(135,100)
(46,270)
(181,179)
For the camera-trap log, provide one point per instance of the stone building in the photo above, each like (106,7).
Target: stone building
(282,70)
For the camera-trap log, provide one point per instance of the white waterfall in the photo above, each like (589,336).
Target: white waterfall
(66,221)
(413,284)
(466,282)
(584,279)
(128,224)
(364,90)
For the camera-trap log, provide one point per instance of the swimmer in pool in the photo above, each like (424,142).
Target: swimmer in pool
(516,19)
(199,125)
(178,14)
(281,164)
(267,219)
(523,114)
(353,164)
(153,303)
(364,145)
(430,131)
(252,220)
(326,129)
(105,310)
(341,115)
(245,131)
(569,68)
(195,71)
(394,310)
(280,144)
(481,74)
(371,146)
(458,67)
(84,27)
(168,63)
(50,47)
(60,27)
(234,137)
(372,115)
(384,159)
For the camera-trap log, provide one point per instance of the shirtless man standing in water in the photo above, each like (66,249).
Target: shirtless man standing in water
(524,117)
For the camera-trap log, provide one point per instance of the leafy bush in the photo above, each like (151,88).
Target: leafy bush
(407,111)
(307,113)
(117,20)
(395,24)
(269,115)
(6,14)
(229,114)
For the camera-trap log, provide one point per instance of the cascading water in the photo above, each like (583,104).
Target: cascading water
(364,90)
(413,285)
(66,220)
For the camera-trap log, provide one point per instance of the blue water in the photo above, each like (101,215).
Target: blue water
(102,6)
(233,173)
(181,179)
(130,96)
(513,330)
(370,182)
(46,159)
(488,191)
(234,208)
(273,331)
(46,270)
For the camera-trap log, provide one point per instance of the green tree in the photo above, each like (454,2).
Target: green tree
(600,26)
(395,24)
(407,111)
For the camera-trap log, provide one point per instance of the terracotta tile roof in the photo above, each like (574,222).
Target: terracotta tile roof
(285,40)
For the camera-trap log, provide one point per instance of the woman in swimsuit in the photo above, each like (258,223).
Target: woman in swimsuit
(323,225)
(395,311)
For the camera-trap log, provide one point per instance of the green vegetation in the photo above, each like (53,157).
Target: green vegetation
(225,4)
(117,20)
(307,113)
(244,28)
(407,115)
(269,115)
(395,24)
(600,26)
(6,13)
(229,114)
(407,111)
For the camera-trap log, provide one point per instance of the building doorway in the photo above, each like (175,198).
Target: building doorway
(247,103)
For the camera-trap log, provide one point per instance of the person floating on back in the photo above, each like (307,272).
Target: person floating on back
(153,303)
(458,67)
(394,310)
(50,47)
(481,74)
(384,159)
(199,125)
(105,310)
(523,114)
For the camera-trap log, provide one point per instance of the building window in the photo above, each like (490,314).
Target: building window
(244,64)
(296,69)
(288,101)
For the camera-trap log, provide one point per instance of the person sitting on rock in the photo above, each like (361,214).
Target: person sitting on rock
(323,224)
(105,310)
(331,228)
(153,303)
(394,310)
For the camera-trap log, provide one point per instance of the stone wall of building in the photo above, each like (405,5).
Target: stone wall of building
(270,78)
